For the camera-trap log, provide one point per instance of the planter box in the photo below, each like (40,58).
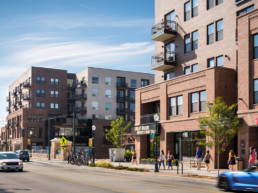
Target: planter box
(116,155)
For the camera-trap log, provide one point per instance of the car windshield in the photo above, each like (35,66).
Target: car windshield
(24,152)
(8,156)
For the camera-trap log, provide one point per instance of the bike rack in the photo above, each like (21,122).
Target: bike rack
(182,168)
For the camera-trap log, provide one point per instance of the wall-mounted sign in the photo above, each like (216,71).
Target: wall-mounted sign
(144,129)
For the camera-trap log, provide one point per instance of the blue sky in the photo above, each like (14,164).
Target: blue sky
(72,35)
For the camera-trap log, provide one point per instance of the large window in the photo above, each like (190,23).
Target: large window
(194,8)
(210,35)
(169,20)
(172,111)
(38,93)
(195,68)
(255,46)
(108,81)
(219,30)
(95,92)
(108,106)
(180,105)
(203,101)
(187,43)
(210,62)
(132,107)
(194,102)
(38,80)
(133,83)
(256,91)
(219,61)
(187,10)
(108,93)
(169,75)
(144,82)
(195,40)
(187,70)
(95,80)
(95,105)
(210,4)
(132,95)
(245,10)
(52,81)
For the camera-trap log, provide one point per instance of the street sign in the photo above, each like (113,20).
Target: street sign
(28,141)
(64,148)
(63,141)
(90,142)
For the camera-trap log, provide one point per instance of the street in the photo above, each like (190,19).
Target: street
(60,177)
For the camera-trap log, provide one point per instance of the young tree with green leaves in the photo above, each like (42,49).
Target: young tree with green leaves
(222,125)
(116,135)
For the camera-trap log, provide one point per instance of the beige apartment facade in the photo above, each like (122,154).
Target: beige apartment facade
(196,60)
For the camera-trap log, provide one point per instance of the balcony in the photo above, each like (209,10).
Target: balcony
(19,103)
(81,97)
(121,85)
(164,31)
(147,119)
(163,62)
(19,92)
(25,86)
(121,98)
(81,110)
(7,99)
(71,99)
(26,98)
(14,94)
(120,110)
(81,85)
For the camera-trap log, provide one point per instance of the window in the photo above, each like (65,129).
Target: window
(56,81)
(219,30)
(255,46)
(187,70)
(108,106)
(52,81)
(133,83)
(40,118)
(43,80)
(94,116)
(180,105)
(56,106)
(95,92)
(42,93)
(38,80)
(108,81)
(132,107)
(95,105)
(38,105)
(120,82)
(56,94)
(169,21)
(144,82)
(108,117)
(172,106)
(40,132)
(29,118)
(187,43)
(132,95)
(210,62)
(210,37)
(245,10)
(219,61)
(42,105)
(195,40)
(95,80)
(52,105)
(187,11)
(108,93)
(120,93)
(34,118)
(52,94)
(194,102)
(195,68)
(256,91)
(169,75)
(210,4)
(194,8)
(219,2)
(38,93)
(203,101)
(120,106)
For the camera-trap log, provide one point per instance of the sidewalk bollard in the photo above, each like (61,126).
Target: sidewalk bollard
(177,167)
(182,167)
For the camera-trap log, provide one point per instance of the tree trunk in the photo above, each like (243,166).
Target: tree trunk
(218,159)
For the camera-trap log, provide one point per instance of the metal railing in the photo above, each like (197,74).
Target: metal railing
(167,25)
(147,119)
(162,58)
(81,96)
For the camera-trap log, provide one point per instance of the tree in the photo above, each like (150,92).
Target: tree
(222,125)
(116,135)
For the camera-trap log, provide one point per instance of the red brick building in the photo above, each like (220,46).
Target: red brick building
(198,58)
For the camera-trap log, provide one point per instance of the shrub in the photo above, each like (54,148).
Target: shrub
(128,154)
(120,167)
(136,169)
(92,165)
(104,164)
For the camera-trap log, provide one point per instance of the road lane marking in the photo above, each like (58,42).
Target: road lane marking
(83,182)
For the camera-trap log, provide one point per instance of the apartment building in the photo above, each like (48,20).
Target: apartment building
(197,58)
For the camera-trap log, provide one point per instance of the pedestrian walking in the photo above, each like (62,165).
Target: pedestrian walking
(198,158)
(170,159)
(134,157)
(207,159)
(231,160)
(252,157)
(162,159)
(69,156)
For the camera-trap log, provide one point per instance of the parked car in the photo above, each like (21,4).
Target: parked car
(239,180)
(23,155)
(10,161)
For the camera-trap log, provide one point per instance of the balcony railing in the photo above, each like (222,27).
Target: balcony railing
(26,85)
(81,97)
(120,110)
(81,110)
(14,94)
(19,92)
(147,119)
(81,84)
(7,98)
(26,97)
(163,61)
(164,31)
(121,85)
(121,98)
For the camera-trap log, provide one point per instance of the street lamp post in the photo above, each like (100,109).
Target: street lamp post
(93,151)
(156,119)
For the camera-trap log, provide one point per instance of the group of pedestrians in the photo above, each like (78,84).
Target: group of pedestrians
(168,158)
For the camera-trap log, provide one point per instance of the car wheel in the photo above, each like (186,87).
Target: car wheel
(224,183)
(20,170)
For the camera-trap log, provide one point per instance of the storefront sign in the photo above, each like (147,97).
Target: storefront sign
(144,129)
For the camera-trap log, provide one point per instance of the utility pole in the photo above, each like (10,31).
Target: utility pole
(73,133)
(48,138)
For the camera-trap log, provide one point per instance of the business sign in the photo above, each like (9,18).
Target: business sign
(63,141)
(144,129)
(90,142)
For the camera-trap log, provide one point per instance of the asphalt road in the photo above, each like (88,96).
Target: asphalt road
(41,177)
